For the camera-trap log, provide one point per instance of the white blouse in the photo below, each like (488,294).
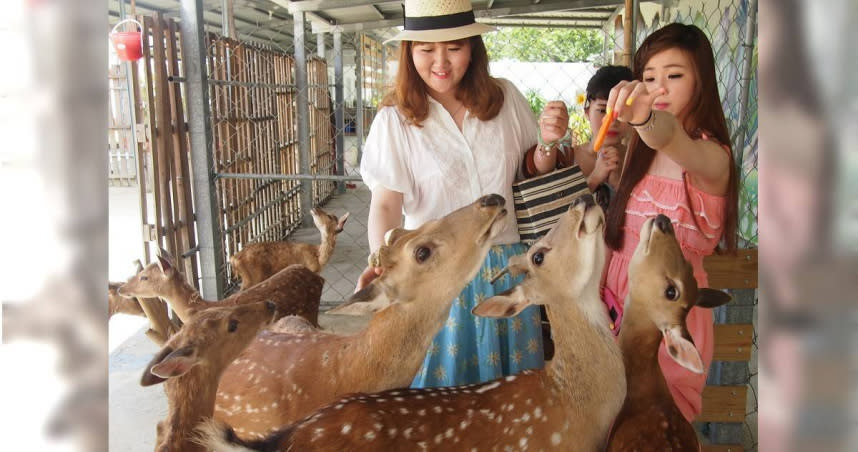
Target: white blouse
(438,168)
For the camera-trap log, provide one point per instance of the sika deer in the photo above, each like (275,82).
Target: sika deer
(296,290)
(256,262)
(192,361)
(662,290)
(282,377)
(567,406)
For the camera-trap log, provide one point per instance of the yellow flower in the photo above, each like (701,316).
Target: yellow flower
(580,98)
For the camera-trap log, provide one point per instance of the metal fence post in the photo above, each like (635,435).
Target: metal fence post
(303,111)
(199,128)
(748,45)
(339,117)
(359,94)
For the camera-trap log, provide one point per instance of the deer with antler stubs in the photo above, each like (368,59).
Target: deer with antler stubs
(568,406)
(256,262)
(191,363)
(296,290)
(662,290)
(282,377)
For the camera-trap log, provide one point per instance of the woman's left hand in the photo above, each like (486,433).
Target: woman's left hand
(635,93)
(553,121)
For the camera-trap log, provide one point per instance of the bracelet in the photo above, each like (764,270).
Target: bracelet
(545,149)
(648,124)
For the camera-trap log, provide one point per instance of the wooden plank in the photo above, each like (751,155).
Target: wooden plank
(723,404)
(140,145)
(722,448)
(732,272)
(155,144)
(733,342)
(165,148)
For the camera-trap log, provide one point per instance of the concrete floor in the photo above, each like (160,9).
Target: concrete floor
(135,410)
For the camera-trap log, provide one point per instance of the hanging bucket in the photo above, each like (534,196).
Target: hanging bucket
(128,44)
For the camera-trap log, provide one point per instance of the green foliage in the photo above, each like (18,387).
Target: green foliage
(559,45)
(537,103)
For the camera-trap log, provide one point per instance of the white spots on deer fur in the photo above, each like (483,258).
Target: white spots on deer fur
(407,433)
(499,419)
(488,413)
(488,387)
(338,406)
(510,407)
(403,410)
(423,445)
(325,358)
(438,438)
(377,426)
(525,417)
(436,409)
(463,425)
(399,399)
(510,378)
(555,439)
(346,428)
(448,433)
(537,412)
(522,443)
(369,435)
(317,433)
(391,432)
(419,397)
(421,412)
(528,431)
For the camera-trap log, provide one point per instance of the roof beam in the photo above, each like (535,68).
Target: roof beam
(378,12)
(319,5)
(479,13)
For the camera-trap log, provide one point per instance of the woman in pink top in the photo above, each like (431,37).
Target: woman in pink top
(680,165)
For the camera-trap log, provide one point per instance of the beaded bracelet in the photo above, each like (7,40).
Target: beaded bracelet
(547,148)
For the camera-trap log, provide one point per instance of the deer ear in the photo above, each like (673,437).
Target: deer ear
(712,298)
(342,222)
(682,350)
(368,300)
(176,363)
(165,264)
(391,236)
(507,304)
(148,379)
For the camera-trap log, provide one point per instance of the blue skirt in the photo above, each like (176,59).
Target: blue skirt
(471,349)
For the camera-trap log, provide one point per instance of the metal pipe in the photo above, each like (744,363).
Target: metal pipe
(303,116)
(359,95)
(748,45)
(339,117)
(199,129)
(310,177)
(320,45)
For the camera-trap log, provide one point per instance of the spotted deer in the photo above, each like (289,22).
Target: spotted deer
(567,406)
(282,377)
(256,262)
(191,363)
(295,289)
(662,290)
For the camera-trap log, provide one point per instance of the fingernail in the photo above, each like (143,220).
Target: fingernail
(609,111)
(630,100)
(616,113)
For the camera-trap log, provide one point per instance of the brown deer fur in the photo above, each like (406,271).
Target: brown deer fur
(256,262)
(191,363)
(282,377)
(296,290)
(568,406)
(662,290)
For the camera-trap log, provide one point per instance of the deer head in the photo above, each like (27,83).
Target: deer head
(662,285)
(214,337)
(560,266)
(326,223)
(440,255)
(153,280)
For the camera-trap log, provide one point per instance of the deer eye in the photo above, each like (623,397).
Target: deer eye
(422,253)
(144,278)
(233,325)
(671,293)
(538,258)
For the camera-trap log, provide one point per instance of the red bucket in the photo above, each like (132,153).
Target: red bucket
(128,44)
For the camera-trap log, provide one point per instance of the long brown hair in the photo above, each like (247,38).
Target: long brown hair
(481,94)
(703,114)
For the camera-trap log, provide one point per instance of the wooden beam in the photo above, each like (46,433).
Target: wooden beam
(723,404)
(733,272)
(733,342)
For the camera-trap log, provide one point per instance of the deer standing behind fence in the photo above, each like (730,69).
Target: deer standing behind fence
(282,377)
(256,262)
(662,290)
(296,290)
(567,406)
(191,363)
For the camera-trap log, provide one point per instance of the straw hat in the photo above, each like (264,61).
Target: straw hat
(439,20)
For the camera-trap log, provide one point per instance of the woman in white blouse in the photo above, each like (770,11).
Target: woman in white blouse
(447,134)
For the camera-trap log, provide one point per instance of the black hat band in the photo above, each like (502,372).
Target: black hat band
(439,22)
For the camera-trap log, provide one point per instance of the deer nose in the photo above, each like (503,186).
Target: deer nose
(492,200)
(663,224)
(270,305)
(586,199)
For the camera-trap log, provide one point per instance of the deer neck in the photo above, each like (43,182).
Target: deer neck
(191,399)
(639,341)
(182,296)
(581,334)
(326,248)
(400,334)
